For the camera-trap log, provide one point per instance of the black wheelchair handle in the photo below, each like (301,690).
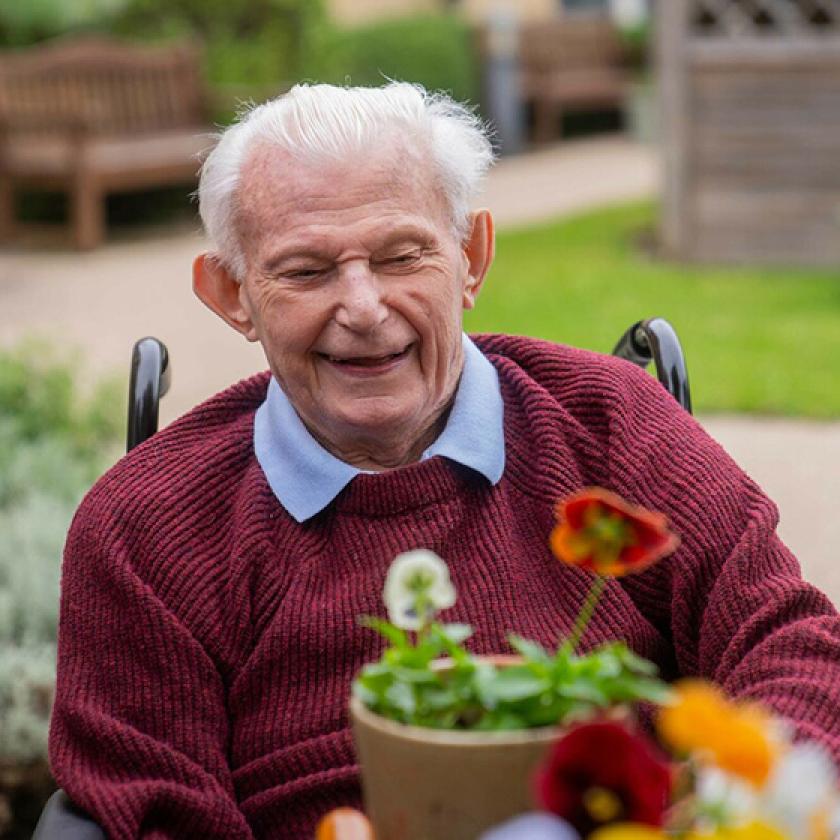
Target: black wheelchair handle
(654,340)
(150,380)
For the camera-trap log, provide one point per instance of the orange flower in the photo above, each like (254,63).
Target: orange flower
(344,824)
(600,532)
(736,738)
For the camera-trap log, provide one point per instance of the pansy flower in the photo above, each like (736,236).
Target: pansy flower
(598,531)
(601,773)
(417,587)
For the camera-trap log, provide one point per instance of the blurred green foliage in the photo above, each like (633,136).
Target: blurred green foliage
(255,49)
(250,43)
(54,442)
(24,22)
(637,44)
(437,51)
(40,399)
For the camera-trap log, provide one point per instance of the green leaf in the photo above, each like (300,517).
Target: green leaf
(588,692)
(516,684)
(633,662)
(401,697)
(364,694)
(393,634)
(375,674)
(636,689)
(440,699)
(530,650)
(457,634)
(415,676)
(501,721)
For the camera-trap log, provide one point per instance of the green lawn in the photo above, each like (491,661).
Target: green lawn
(756,340)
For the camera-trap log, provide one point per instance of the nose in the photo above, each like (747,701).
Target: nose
(360,306)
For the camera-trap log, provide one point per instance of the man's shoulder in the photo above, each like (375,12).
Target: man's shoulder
(566,373)
(206,452)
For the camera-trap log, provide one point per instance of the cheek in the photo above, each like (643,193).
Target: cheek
(291,324)
(436,302)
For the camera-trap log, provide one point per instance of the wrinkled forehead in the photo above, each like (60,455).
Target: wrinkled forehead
(276,188)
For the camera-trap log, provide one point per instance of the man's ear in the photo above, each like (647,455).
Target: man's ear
(479,249)
(219,291)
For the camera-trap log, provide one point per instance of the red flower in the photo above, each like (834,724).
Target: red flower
(601,773)
(600,532)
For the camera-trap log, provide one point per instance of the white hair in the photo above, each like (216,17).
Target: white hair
(313,122)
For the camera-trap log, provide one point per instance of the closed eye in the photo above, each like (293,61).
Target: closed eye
(404,260)
(303,274)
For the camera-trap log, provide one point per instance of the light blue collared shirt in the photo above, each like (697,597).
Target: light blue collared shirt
(305,477)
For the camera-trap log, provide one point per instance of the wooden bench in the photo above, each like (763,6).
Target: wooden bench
(572,63)
(93,116)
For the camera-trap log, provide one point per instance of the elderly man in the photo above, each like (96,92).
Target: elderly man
(213,578)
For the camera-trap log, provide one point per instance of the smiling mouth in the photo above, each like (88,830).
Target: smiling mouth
(366,361)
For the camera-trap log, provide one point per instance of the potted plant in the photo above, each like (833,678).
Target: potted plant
(722,770)
(448,741)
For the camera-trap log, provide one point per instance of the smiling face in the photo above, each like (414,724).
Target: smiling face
(355,286)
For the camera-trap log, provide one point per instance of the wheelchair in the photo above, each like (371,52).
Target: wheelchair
(650,341)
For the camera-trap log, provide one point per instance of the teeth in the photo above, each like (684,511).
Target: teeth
(364,360)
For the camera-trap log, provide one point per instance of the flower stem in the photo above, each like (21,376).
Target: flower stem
(582,620)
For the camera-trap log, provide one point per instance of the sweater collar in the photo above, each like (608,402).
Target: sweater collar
(306,478)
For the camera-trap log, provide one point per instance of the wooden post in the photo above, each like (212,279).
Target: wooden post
(7,208)
(7,194)
(87,212)
(547,121)
(87,200)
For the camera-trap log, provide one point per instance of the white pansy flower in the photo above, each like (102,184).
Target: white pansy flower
(801,790)
(723,799)
(416,588)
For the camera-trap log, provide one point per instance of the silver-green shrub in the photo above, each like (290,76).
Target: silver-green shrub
(52,447)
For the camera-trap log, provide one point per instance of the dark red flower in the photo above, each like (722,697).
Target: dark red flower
(600,532)
(601,773)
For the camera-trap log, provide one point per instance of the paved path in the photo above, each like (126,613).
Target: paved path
(102,301)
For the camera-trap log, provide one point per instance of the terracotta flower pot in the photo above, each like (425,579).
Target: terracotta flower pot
(434,784)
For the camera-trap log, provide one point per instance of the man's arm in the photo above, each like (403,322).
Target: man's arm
(736,607)
(139,727)
(769,635)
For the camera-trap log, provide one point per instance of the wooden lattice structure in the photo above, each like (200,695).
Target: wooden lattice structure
(751,130)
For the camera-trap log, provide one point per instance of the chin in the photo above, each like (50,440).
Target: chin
(377,417)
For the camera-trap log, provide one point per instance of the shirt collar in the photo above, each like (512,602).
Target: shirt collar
(305,477)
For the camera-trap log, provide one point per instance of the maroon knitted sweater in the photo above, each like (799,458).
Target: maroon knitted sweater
(207,640)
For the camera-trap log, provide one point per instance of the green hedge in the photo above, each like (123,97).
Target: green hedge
(437,51)
(254,43)
(258,48)
(25,22)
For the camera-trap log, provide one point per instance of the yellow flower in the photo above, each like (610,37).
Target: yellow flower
(628,831)
(755,830)
(736,738)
